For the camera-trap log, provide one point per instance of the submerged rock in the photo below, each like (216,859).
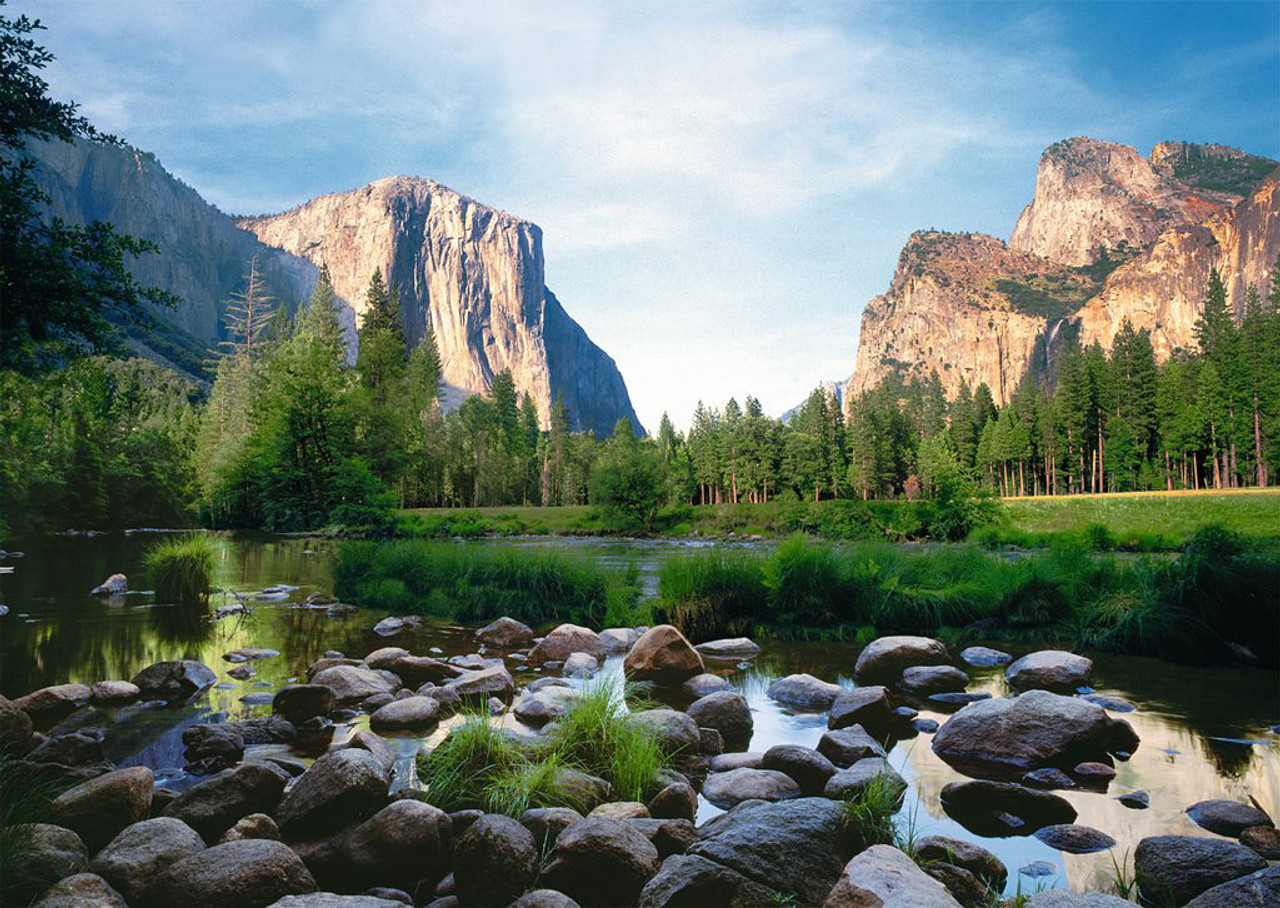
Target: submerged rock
(1074,839)
(804,692)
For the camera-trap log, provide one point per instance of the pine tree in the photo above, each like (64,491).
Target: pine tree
(248,315)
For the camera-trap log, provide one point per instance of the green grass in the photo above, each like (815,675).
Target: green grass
(181,570)
(868,815)
(476,766)
(1136,522)
(1219,591)
(24,800)
(475,584)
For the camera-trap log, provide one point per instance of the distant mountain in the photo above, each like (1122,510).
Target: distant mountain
(831,387)
(1110,235)
(475,274)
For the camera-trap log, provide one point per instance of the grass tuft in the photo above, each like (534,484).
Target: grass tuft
(181,569)
(24,800)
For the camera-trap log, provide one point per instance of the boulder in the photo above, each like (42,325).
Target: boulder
(415,671)
(728,713)
(848,783)
(1265,840)
(984,657)
(566,640)
(675,801)
(383,657)
(1135,800)
(796,846)
(448,698)
(725,789)
(327,662)
(1013,736)
(1048,779)
(934,679)
(663,655)
(254,826)
(1050,669)
(495,860)
(618,639)
(1074,838)
(248,873)
(404,842)
(669,836)
(973,858)
(352,683)
(1257,890)
(846,746)
(77,748)
(580,665)
(174,680)
(676,731)
(412,714)
(115,585)
(810,769)
(50,705)
(882,661)
(15,728)
(333,900)
(544,898)
(582,790)
(338,789)
(53,853)
(84,890)
(1003,808)
(600,861)
(537,708)
(266,730)
(690,880)
(113,693)
(1093,773)
(881,876)
(390,627)
(215,805)
(210,748)
(703,684)
(732,648)
(1066,898)
(620,810)
(97,810)
(866,706)
(712,741)
(1229,818)
(1173,869)
(249,654)
(745,760)
(484,683)
(964,887)
(133,860)
(506,633)
(546,823)
(804,692)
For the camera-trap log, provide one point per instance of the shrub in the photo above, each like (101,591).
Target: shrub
(181,570)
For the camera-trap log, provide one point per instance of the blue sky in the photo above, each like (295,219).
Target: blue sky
(722,186)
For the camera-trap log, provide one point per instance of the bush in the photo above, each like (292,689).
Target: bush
(181,570)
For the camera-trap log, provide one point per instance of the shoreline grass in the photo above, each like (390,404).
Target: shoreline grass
(181,569)
(473,584)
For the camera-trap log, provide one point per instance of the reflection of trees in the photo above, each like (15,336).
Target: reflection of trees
(187,625)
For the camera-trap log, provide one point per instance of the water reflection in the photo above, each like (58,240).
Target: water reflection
(1182,712)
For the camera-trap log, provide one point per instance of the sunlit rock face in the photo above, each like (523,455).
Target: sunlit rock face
(471,272)
(979,310)
(203,254)
(474,274)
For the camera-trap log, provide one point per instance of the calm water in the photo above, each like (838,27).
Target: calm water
(55,632)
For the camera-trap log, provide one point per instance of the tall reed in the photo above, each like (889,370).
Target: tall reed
(181,569)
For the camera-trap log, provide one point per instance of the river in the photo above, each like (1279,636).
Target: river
(1206,733)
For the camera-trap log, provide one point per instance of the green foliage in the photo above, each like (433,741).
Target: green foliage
(1238,175)
(181,570)
(477,766)
(102,443)
(713,594)
(627,478)
(476,584)
(24,800)
(67,288)
(868,814)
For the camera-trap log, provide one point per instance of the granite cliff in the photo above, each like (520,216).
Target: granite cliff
(473,273)
(1110,235)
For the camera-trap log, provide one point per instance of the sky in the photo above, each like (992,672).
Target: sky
(721,186)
